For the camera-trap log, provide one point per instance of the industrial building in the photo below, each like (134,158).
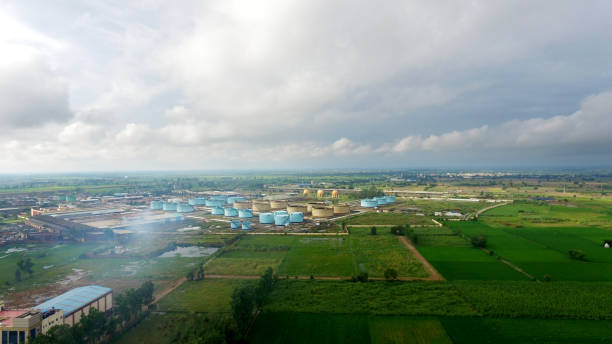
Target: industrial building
(76,302)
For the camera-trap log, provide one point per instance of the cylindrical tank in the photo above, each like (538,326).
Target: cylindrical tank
(70,198)
(279,204)
(246,225)
(230,212)
(320,193)
(310,205)
(197,201)
(217,211)
(297,208)
(369,203)
(281,219)
(381,200)
(340,209)
(306,193)
(322,211)
(60,198)
(390,199)
(242,205)
(261,206)
(169,206)
(219,198)
(233,199)
(280,212)
(266,218)
(214,203)
(157,205)
(296,217)
(335,194)
(234,224)
(245,213)
(184,208)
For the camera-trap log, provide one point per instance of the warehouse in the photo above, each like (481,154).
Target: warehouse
(76,302)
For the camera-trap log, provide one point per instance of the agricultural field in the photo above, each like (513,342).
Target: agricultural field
(543,252)
(318,256)
(376,298)
(456,259)
(205,296)
(573,213)
(385,219)
(342,328)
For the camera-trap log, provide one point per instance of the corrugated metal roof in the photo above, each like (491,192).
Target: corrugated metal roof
(74,299)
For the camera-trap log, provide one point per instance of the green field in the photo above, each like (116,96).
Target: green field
(371,218)
(543,251)
(397,298)
(318,256)
(335,328)
(208,296)
(561,300)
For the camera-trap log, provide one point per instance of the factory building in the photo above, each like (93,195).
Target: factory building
(266,218)
(19,326)
(76,302)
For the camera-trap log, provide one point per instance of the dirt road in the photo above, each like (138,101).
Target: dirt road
(434,275)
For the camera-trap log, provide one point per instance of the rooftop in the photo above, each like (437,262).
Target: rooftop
(7,317)
(74,299)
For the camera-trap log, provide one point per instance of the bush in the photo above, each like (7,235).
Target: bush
(479,241)
(546,278)
(390,274)
(362,277)
(398,230)
(576,254)
(373,231)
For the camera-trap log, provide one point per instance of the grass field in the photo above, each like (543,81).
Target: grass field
(456,259)
(543,251)
(397,298)
(318,256)
(335,328)
(371,218)
(208,296)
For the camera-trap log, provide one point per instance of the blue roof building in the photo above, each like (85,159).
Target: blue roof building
(77,299)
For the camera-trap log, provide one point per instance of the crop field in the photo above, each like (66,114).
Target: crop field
(206,296)
(487,330)
(542,253)
(456,259)
(336,328)
(318,256)
(372,218)
(515,299)
(379,298)
(574,213)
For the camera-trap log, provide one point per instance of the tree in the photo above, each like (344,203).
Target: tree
(373,230)
(18,275)
(63,334)
(397,230)
(190,275)
(264,287)
(242,305)
(362,277)
(390,274)
(146,292)
(577,254)
(479,241)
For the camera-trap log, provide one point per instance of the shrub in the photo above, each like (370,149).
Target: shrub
(397,230)
(362,277)
(576,254)
(479,241)
(390,274)
(546,278)
(373,231)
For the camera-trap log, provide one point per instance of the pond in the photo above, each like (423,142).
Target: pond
(189,252)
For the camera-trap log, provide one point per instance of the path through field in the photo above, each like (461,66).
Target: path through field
(434,275)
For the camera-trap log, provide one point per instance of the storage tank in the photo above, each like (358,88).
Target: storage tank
(306,193)
(214,203)
(341,209)
(297,208)
(242,205)
(280,204)
(233,199)
(322,211)
(234,224)
(266,218)
(335,194)
(281,219)
(280,212)
(261,206)
(219,198)
(184,208)
(229,212)
(245,213)
(369,203)
(169,206)
(197,201)
(320,193)
(313,204)
(217,211)
(60,198)
(296,217)
(70,198)
(381,200)
(390,199)
(246,225)
(157,205)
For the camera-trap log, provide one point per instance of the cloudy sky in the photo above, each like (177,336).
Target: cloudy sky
(153,84)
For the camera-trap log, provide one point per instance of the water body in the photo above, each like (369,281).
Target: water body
(189,252)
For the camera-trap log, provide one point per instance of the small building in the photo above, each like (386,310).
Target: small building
(18,326)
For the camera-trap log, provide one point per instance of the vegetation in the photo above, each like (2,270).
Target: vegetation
(479,241)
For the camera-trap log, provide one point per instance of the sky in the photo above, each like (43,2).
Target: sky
(207,85)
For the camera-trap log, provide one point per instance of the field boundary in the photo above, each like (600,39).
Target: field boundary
(434,275)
